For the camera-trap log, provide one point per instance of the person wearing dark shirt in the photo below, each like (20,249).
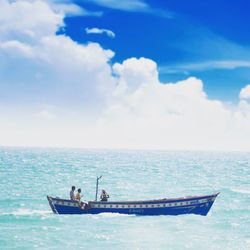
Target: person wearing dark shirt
(104,196)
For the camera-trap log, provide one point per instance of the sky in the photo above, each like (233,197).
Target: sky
(133,74)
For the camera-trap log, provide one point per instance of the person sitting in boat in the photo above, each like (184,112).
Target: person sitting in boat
(104,196)
(78,195)
(72,193)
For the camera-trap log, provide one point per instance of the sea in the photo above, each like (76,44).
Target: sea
(28,175)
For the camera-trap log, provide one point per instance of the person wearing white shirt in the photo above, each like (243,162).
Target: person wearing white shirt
(72,193)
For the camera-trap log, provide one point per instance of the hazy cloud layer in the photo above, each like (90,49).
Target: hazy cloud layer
(131,6)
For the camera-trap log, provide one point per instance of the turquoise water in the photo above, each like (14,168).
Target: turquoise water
(28,175)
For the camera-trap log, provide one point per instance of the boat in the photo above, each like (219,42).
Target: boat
(199,205)
(186,205)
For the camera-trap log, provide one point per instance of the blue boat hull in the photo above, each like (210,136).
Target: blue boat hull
(190,205)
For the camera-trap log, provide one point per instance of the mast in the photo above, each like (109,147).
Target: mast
(96,190)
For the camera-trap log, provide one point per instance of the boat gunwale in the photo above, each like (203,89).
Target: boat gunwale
(164,200)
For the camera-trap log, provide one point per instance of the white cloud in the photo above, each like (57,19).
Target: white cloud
(132,74)
(131,6)
(50,68)
(245,92)
(109,33)
(70,9)
(16,48)
(207,65)
(56,92)
(150,114)
(128,5)
(24,19)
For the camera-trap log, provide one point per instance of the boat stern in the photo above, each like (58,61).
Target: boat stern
(51,204)
(63,206)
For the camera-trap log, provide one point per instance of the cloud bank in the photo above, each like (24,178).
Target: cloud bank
(56,92)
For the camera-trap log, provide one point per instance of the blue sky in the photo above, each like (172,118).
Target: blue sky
(137,74)
(179,35)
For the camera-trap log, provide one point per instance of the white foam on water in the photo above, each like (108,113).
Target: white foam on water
(111,215)
(241,190)
(27,212)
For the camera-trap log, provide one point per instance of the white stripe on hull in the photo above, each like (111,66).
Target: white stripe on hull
(150,205)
